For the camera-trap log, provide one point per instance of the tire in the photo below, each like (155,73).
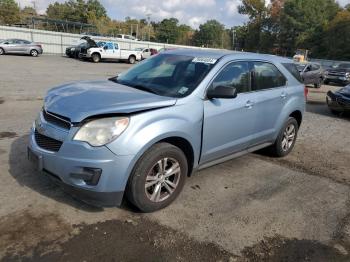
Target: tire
(96,58)
(148,166)
(132,59)
(283,147)
(2,51)
(319,84)
(34,53)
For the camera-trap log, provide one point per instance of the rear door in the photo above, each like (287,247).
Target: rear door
(228,123)
(308,75)
(269,97)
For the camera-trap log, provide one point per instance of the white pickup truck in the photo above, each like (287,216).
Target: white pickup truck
(110,51)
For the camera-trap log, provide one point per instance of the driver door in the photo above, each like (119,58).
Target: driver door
(228,123)
(108,50)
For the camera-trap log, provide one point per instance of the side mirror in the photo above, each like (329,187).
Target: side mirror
(222,92)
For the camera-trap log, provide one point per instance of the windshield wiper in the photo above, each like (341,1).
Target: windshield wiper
(143,88)
(137,86)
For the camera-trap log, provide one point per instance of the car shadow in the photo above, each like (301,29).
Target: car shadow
(26,175)
(321,108)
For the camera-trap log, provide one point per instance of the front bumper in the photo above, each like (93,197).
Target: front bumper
(68,167)
(337,103)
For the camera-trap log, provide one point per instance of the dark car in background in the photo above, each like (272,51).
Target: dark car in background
(339,101)
(339,74)
(20,46)
(75,51)
(311,74)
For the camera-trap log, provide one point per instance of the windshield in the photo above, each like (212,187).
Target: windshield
(344,66)
(168,74)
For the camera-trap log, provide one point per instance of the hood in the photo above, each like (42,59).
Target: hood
(91,42)
(345,91)
(80,100)
(339,70)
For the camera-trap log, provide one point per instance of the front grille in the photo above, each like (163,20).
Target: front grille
(57,120)
(47,143)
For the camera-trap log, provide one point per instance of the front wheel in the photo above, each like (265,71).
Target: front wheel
(157,178)
(286,139)
(96,58)
(34,53)
(2,51)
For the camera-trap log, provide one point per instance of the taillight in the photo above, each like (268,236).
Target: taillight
(306,92)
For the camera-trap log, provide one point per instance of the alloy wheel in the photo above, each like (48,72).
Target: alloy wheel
(162,180)
(288,137)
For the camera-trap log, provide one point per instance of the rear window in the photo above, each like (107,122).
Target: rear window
(292,68)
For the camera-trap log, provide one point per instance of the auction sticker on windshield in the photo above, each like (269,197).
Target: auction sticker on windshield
(206,60)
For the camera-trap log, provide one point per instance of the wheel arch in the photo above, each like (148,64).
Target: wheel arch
(298,116)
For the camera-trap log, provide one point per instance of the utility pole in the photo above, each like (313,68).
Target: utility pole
(34,5)
(233,39)
(149,26)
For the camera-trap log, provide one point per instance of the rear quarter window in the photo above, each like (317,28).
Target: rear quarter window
(292,68)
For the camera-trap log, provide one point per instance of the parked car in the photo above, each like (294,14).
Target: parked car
(127,37)
(146,52)
(311,74)
(20,46)
(339,74)
(144,131)
(339,101)
(110,51)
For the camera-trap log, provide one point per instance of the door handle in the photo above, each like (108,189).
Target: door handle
(249,104)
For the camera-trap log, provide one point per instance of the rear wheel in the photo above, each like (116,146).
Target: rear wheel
(2,51)
(286,139)
(158,177)
(319,84)
(34,53)
(132,59)
(96,58)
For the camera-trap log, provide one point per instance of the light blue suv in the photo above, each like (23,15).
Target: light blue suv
(143,132)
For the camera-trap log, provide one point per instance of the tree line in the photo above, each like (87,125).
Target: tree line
(281,27)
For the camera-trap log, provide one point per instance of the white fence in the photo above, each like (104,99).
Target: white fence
(57,42)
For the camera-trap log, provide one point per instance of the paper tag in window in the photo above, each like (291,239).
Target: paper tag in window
(183,90)
(206,60)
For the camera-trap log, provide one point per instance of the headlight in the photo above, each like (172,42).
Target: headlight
(102,131)
(72,49)
(326,72)
(347,74)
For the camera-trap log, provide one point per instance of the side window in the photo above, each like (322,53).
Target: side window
(108,46)
(292,68)
(315,67)
(235,75)
(266,76)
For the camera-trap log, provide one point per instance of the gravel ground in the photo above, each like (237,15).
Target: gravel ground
(254,208)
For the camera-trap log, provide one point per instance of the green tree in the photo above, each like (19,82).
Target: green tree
(210,34)
(257,12)
(337,37)
(303,22)
(9,12)
(167,30)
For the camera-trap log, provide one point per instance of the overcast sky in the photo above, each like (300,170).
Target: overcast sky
(191,12)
